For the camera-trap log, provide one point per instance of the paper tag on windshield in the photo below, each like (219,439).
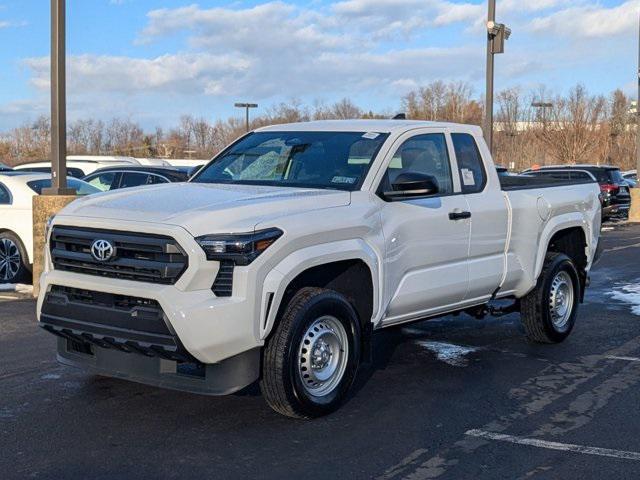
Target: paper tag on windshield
(349,180)
(467,177)
(371,135)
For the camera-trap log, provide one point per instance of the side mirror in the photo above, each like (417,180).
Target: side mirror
(412,185)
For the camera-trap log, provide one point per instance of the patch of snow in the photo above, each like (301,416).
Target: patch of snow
(448,352)
(50,376)
(607,229)
(628,294)
(16,287)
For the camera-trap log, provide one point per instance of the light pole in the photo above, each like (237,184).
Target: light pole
(246,106)
(544,106)
(58,103)
(638,109)
(634,210)
(497,34)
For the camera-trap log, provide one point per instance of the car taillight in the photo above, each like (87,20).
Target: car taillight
(609,188)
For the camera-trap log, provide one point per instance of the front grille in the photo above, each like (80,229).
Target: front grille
(138,256)
(121,322)
(223,284)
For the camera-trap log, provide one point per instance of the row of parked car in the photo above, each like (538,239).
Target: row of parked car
(614,184)
(86,175)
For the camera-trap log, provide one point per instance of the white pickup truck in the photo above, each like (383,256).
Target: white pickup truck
(284,254)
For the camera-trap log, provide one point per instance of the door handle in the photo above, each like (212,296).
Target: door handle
(459,215)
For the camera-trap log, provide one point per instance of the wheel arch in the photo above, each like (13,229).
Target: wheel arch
(570,239)
(350,268)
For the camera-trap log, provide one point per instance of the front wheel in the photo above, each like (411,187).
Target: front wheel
(549,311)
(311,359)
(14,263)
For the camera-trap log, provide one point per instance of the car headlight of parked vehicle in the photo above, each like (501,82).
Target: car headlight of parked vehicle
(241,248)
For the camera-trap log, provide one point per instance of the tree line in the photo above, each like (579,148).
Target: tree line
(578,127)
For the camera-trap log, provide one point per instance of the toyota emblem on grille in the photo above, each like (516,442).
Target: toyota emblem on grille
(102,250)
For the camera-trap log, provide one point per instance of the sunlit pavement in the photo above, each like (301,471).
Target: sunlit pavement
(453,398)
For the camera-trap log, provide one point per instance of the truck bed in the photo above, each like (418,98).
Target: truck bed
(524,182)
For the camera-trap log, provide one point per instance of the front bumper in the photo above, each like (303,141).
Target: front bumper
(209,329)
(222,378)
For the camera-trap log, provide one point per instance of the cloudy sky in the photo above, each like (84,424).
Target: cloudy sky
(153,60)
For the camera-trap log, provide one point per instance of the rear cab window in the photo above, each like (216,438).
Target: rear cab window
(473,176)
(5,196)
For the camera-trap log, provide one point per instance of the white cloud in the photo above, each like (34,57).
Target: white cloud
(590,21)
(186,73)
(377,49)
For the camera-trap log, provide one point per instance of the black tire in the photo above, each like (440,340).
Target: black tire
(535,307)
(10,245)
(281,381)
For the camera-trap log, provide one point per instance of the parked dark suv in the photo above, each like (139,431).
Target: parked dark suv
(616,198)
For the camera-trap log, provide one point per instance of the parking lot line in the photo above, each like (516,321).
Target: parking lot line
(626,359)
(567,447)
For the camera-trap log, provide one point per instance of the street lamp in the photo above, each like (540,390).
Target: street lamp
(634,210)
(544,106)
(246,106)
(58,103)
(497,34)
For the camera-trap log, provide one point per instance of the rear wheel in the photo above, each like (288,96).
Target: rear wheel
(549,311)
(14,263)
(311,359)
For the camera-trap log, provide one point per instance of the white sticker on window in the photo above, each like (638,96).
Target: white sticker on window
(467,177)
(349,180)
(371,135)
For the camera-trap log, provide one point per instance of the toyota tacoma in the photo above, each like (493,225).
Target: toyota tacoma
(281,257)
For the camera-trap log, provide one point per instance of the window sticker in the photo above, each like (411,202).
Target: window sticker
(467,177)
(371,135)
(349,180)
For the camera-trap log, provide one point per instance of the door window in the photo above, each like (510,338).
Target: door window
(155,179)
(5,198)
(134,179)
(472,174)
(425,154)
(104,181)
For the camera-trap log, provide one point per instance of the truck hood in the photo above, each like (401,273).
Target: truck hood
(204,208)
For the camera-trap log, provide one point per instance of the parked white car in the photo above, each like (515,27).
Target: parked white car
(278,260)
(79,166)
(17,190)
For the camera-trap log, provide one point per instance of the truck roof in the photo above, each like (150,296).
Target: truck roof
(380,126)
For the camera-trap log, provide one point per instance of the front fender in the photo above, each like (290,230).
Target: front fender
(289,268)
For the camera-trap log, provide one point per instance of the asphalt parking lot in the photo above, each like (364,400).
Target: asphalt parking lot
(452,398)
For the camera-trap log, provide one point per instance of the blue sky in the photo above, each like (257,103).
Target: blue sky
(153,61)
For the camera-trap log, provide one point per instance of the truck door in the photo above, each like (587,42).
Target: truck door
(489,215)
(426,239)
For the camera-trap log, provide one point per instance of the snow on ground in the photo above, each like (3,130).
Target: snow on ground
(628,294)
(16,287)
(448,352)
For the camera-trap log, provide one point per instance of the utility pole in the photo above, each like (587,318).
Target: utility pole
(634,210)
(497,34)
(58,103)
(246,106)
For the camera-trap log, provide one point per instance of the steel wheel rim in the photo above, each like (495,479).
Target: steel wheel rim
(561,300)
(9,259)
(323,355)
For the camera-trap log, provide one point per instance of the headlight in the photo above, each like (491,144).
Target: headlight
(242,248)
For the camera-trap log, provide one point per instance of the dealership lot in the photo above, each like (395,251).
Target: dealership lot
(451,398)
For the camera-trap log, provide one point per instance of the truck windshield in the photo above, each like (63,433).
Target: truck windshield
(330,160)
